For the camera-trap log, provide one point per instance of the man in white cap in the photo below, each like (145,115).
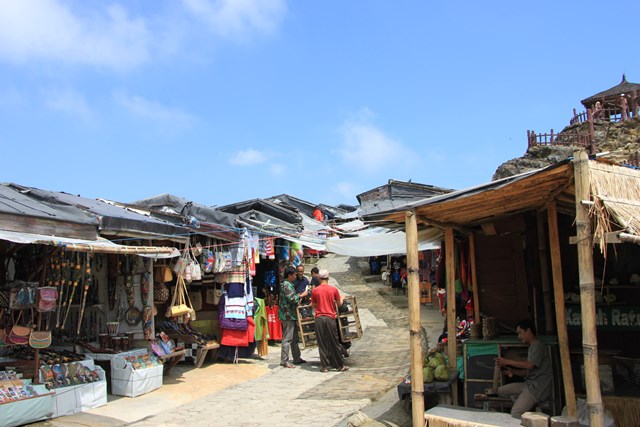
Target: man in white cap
(323,299)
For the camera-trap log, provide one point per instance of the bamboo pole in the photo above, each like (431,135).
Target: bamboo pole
(451,306)
(561,323)
(587,290)
(544,274)
(474,279)
(415,326)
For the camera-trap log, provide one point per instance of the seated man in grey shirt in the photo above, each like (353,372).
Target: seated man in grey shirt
(536,370)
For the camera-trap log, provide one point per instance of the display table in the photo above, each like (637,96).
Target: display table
(445,415)
(201,352)
(441,388)
(170,360)
(29,410)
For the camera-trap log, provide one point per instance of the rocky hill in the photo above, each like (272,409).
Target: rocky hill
(618,139)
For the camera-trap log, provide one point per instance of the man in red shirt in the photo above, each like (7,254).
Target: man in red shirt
(323,299)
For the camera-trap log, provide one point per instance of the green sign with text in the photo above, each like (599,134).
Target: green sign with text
(620,318)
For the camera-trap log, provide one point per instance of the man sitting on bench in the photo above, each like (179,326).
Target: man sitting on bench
(536,370)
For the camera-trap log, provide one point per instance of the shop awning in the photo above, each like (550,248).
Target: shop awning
(97,246)
(384,243)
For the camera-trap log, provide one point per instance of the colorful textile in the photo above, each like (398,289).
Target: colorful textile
(273,322)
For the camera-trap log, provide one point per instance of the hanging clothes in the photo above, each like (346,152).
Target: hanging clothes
(274,323)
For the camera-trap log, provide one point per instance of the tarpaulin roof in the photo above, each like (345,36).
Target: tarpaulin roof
(23,212)
(18,200)
(211,220)
(114,220)
(264,206)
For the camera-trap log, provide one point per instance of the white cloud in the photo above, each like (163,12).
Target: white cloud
(248,157)
(152,110)
(368,149)
(69,101)
(236,19)
(49,30)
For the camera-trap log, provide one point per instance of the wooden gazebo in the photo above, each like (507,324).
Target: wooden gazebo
(610,99)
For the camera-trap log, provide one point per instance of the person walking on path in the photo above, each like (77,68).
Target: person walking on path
(323,299)
(537,372)
(288,304)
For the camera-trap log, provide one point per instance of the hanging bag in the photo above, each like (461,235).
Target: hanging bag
(160,293)
(40,339)
(47,298)
(163,273)
(196,272)
(19,335)
(178,305)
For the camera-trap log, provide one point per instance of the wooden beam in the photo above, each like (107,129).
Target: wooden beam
(561,323)
(543,257)
(474,279)
(451,305)
(415,326)
(587,291)
(444,225)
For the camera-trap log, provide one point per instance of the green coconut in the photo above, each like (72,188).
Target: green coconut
(441,373)
(435,361)
(428,375)
(441,357)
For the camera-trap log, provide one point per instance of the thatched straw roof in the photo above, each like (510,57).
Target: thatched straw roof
(624,87)
(615,192)
(615,195)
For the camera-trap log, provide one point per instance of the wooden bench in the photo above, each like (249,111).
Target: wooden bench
(201,351)
(170,360)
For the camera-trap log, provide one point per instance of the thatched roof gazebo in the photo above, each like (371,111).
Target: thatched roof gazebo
(616,103)
(610,96)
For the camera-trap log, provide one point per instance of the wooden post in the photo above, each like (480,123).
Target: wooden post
(451,306)
(551,140)
(474,279)
(561,323)
(587,290)
(544,274)
(415,326)
(592,133)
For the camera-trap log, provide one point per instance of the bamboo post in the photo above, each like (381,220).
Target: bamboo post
(474,279)
(587,290)
(544,275)
(451,306)
(415,327)
(561,323)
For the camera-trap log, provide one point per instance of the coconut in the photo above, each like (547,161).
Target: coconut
(441,373)
(434,362)
(428,375)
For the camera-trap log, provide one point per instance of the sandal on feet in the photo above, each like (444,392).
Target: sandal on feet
(344,368)
(324,370)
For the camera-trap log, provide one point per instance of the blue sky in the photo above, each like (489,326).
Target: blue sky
(220,101)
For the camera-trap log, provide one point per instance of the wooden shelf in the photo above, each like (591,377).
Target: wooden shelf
(349,320)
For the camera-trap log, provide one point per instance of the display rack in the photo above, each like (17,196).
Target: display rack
(349,327)
(306,326)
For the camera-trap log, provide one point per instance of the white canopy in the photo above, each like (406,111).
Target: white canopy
(384,244)
(99,246)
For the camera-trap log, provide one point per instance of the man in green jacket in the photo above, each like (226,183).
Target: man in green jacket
(288,313)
